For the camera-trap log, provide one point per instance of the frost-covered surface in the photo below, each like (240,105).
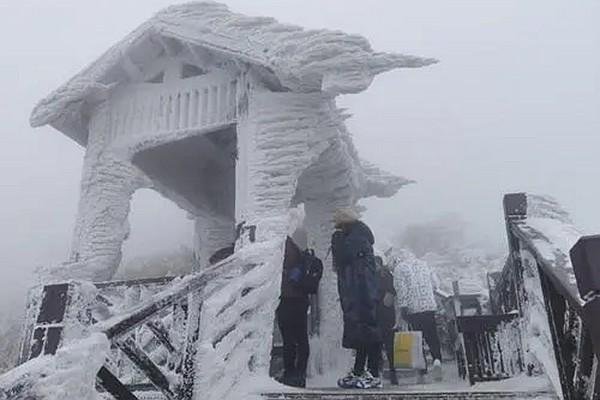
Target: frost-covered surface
(299,151)
(546,237)
(292,148)
(549,233)
(451,383)
(277,132)
(70,374)
(212,233)
(506,348)
(236,328)
(413,280)
(380,183)
(107,185)
(10,329)
(301,60)
(535,328)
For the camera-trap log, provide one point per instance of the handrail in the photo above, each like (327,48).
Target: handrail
(541,233)
(121,324)
(118,328)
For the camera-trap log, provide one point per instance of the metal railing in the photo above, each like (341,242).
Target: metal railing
(550,259)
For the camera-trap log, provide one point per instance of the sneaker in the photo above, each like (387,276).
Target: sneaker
(349,381)
(368,381)
(436,372)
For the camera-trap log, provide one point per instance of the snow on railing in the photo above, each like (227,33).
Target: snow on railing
(188,104)
(69,374)
(157,331)
(548,258)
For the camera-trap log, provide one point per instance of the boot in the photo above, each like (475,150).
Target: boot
(393,377)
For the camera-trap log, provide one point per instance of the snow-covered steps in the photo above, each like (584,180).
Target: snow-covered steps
(406,395)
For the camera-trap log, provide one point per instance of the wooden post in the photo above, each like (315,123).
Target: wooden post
(515,209)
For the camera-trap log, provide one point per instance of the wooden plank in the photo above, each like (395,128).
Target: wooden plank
(555,310)
(147,366)
(107,381)
(186,391)
(126,322)
(135,282)
(161,334)
(54,304)
(483,323)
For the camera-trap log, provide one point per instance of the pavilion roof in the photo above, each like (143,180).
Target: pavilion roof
(301,60)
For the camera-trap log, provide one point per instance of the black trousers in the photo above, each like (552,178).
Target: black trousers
(425,322)
(388,346)
(369,354)
(292,321)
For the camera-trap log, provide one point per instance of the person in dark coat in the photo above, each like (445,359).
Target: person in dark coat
(359,291)
(292,320)
(386,314)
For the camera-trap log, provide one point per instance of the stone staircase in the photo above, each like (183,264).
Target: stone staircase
(407,395)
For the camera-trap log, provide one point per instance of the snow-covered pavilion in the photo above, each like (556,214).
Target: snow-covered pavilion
(234,119)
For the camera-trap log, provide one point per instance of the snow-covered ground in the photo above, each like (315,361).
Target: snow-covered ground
(407,383)
(451,383)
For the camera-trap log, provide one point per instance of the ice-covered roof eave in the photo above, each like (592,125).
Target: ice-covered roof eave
(379,183)
(302,60)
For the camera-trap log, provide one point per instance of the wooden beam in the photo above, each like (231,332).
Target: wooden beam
(161,334)
(201,57)
(168,47)
(122,324)
(109,382)
(147,366)
(191,348)
(134,72)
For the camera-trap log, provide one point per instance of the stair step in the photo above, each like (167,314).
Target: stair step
(407,395)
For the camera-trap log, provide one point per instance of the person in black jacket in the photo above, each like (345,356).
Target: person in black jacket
(358,288)
(386,314)
(292,319)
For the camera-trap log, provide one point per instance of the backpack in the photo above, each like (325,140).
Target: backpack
(307,274)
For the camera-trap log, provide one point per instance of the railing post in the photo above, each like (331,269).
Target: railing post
(585,257)
(515,209)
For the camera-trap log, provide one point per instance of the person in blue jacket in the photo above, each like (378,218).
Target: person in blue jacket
(359,291)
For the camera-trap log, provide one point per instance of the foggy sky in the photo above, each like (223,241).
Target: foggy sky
(512,106)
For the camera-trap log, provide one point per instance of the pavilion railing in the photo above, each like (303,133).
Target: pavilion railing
(150,109)
(153,338)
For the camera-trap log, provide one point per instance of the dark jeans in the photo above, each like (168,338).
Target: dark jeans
(388,345)
(425,322)
(292,321)
(369,354)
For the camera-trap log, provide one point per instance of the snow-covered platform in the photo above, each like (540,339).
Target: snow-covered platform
(401,395)
(452,387)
